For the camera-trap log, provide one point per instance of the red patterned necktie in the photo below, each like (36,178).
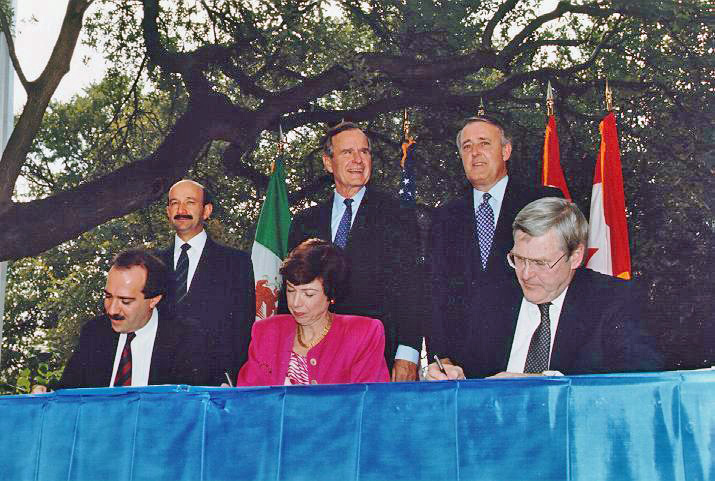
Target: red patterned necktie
(124,371)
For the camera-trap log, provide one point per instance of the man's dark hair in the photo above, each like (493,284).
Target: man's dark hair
(505,135)
(327,140)
(317,259)
(157,275)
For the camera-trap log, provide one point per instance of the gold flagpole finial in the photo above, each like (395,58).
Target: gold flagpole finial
(481,110)
(281,147)
(405,126)
(609,97)
(549,100)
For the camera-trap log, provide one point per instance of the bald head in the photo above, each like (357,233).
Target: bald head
(188,206)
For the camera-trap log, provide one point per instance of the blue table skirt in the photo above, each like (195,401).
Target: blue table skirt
(657,426)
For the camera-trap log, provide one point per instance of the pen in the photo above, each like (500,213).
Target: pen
(228,378)
(439,364)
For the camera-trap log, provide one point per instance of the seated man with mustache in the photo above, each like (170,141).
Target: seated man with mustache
(131,344)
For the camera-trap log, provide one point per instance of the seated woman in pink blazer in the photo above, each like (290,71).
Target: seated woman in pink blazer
(311,345)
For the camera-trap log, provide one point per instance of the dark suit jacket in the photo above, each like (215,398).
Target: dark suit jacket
(382,250)
(600,330)
(460,288)
(92,362)
(220,306)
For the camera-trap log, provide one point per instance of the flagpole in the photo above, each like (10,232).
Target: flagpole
(549,100)
(608,244)
(552,174)
(271,243)
(6,127)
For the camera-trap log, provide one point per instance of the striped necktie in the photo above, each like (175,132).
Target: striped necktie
(124,371)
(181,273)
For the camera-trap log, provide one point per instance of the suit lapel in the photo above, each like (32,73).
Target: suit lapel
(505,319)
(325,211)
(203,270)
(465,225)
(167,255)
(360,232)
(502,231)
(570,333)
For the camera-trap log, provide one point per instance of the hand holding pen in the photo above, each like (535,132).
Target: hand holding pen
(441,370)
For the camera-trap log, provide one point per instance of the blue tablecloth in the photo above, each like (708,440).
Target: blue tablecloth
(611,427)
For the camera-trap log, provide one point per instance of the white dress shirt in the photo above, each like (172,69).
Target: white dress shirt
(339,210)
(497,197)
(197,244)
(142,348)
(529,319)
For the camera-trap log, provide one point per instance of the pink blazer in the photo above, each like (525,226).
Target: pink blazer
(352,351)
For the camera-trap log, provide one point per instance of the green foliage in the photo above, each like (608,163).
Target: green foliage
(658,56)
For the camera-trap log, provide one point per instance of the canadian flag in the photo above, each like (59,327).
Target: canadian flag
(552,175)
(608,251)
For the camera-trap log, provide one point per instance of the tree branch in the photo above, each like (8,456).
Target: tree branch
(7,31)
(120,192)
(38,97)
(488,33)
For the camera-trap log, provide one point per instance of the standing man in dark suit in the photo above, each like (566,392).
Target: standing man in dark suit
(566,318)
(471,235)
(132,344)
(212,284)
(380,241)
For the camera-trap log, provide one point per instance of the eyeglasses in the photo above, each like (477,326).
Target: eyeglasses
(537,265)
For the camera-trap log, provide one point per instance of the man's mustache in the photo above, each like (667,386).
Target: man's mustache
(183,216)
(116,317)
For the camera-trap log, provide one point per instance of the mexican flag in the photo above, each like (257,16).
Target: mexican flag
(608,250)
(271,244)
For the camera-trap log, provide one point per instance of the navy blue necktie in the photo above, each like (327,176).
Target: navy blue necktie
(341,237)
(485,228)
(537,359)
(181,273)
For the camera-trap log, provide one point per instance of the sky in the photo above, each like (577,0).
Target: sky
(37,24)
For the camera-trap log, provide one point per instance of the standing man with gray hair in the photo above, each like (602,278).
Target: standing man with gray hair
(379,238)
(471,235)
(567,318)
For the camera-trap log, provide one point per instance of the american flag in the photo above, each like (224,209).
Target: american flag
(407,182)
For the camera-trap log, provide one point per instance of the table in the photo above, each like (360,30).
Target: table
(653,426)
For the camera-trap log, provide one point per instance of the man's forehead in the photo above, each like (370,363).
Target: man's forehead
(480,129)
(125,279)
(186,188)
(351,135)
(545,243)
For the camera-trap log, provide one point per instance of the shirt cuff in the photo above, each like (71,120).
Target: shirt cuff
(407,353)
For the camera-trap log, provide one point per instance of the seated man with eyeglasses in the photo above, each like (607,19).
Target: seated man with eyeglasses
(565,319)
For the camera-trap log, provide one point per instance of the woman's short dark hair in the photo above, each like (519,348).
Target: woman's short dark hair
(317,259)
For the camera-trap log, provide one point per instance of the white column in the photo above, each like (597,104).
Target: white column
(7,79)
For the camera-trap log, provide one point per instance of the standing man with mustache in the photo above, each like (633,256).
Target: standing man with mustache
(470,238)
(212,284)
(379,238)
(132,344)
